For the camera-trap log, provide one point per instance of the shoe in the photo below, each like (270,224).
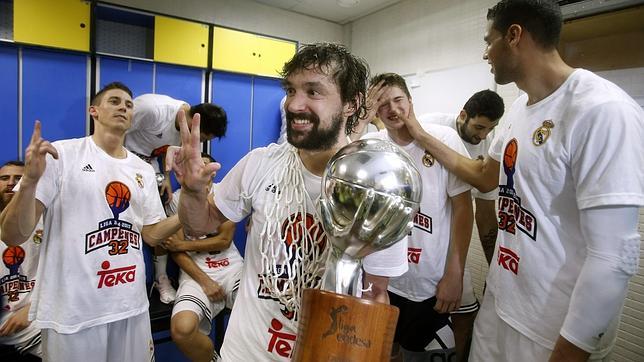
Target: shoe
(167,294)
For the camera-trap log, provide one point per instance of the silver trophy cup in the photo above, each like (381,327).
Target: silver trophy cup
(371,190)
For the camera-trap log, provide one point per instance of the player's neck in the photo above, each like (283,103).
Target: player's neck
(111,143)
(400,136)
(315,160)
(544,74)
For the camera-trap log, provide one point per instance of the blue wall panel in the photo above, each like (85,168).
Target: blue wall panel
(135,74)
(267,95)
(54,92)
(9,103)
(233,93)
(180,83)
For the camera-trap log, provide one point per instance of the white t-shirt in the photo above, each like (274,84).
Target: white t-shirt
(221,266)
(430,237)
(91,269)
(17,280)
(260,327)
(153,125)
(475,151)
(580,147)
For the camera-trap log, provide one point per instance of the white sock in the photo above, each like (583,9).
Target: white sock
(160,263)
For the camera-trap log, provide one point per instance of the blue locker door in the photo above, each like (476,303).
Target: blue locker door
(9,103)
(233,93)
(181,83)
(267,94)
(135,74)
(54,91)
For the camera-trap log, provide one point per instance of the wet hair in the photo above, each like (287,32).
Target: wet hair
(349,73)
(214,121)
(541,18)
(391,79)
(96,100)
(485,103)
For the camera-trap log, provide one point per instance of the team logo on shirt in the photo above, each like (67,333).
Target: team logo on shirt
(113,233)
(413,255)
(112,277)
(213,263)
(37,238)
(428,159)
(512,216)
(295,231)
(281,343)
(14,284)
(139,180)
(541,134)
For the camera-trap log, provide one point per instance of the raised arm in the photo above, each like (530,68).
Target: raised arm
(19,218)
(482,174)
(197,211)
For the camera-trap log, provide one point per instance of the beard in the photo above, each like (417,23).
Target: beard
(319,139)
(465,136)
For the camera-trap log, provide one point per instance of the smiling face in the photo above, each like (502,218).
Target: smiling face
(315,114)
(9,177)
(498,55)
(392,102)
(113,111)
(475,129)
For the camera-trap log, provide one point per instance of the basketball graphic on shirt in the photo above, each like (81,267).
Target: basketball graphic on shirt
(510,154)
(12,257)
(118,196)
(293,230)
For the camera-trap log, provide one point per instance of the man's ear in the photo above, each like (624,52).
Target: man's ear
(462,114)
(351,107)
(513,34)
(93,112)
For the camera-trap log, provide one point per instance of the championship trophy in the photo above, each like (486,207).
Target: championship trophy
(370,193)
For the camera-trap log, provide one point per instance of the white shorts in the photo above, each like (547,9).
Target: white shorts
(127,340)
(191,297)
(469,303)
(495,340)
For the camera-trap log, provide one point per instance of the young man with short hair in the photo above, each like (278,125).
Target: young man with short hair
(100,203)
(438,243)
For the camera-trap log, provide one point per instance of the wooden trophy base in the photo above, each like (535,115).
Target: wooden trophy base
(343,328)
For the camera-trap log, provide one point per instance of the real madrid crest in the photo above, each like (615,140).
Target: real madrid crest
(541,134)
(428,159)
(139,180)
(38,236)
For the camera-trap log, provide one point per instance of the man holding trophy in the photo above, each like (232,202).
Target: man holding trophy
(280,184)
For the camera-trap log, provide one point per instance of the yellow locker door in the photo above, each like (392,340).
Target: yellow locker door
(274,53)
(234,51)
(180,42)
(55,23)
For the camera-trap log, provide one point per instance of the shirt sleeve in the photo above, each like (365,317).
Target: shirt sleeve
(455,185)
(152,206)
(389,262)
(49,183)
(607,155)
(232,197)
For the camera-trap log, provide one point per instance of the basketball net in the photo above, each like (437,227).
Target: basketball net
(291,267)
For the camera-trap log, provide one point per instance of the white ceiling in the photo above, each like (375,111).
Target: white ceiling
(330,9)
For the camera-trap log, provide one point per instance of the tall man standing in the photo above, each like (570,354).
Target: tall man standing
(569,191)
(286,247)
(100,202)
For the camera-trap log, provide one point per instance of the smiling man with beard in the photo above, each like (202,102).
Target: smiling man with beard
(286,247)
